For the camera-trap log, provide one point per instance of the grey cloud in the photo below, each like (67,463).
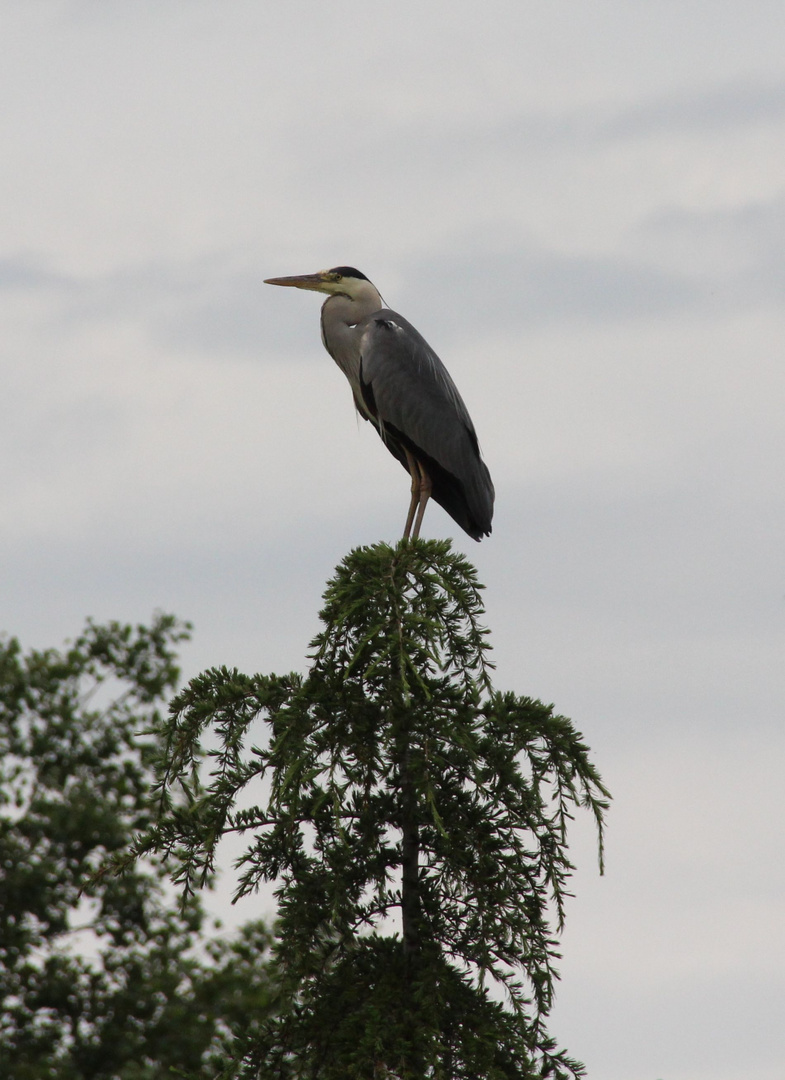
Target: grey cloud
(532,287)
(439,145)
(761,222)
(679,261)
(738,104)
(748,241)
(207,305)
(664,607)
(21,273)
(239,315)
(218,305)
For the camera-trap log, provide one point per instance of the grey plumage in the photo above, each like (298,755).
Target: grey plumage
(403,388)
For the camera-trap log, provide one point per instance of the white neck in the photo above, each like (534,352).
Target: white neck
(341,314)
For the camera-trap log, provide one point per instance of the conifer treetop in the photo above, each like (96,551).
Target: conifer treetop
(411,821)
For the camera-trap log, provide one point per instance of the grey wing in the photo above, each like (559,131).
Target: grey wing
(412,396)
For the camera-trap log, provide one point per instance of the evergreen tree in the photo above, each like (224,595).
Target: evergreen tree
(413,824)
(102,978)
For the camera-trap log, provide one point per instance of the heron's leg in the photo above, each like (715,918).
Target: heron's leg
(426,487)
(414,471)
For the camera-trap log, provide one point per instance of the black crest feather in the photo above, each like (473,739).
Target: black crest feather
(348,271)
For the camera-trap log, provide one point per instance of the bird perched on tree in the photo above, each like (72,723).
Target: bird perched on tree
(403,388)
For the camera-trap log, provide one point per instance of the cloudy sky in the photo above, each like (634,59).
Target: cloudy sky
(582,207)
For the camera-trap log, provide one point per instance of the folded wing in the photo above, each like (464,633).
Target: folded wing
(416,405)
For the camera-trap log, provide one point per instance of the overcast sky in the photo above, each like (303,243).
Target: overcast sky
(582,206)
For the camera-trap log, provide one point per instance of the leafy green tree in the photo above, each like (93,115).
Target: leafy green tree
(412,821)
(102,976)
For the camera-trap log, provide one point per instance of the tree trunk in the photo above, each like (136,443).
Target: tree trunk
(410,858)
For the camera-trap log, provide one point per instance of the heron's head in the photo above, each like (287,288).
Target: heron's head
(340,281)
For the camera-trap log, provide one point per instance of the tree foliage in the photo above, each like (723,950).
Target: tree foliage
(100,976)
(411,820)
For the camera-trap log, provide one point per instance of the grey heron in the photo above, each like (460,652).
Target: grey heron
(403,388)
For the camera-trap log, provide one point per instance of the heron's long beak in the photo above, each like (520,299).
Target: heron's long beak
(316,282)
